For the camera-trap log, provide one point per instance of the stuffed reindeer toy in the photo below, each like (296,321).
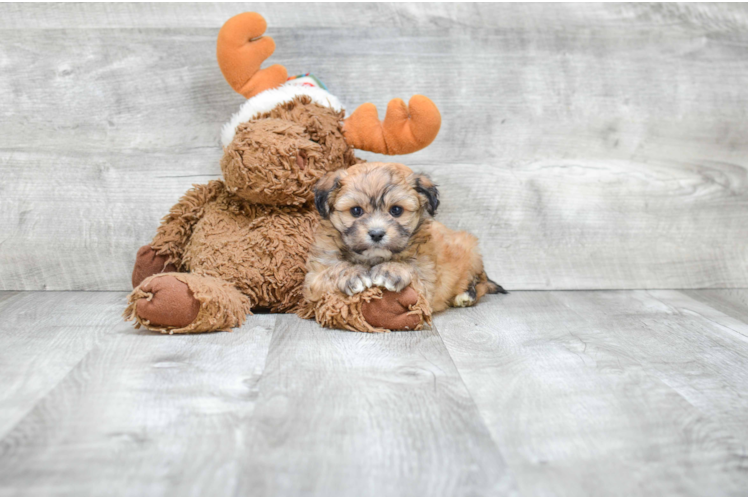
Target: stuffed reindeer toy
(241,243)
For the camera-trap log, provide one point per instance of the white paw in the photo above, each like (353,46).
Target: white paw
(357,284)
(464,300)
(391,282)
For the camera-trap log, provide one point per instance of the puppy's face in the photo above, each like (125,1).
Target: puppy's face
(376,207)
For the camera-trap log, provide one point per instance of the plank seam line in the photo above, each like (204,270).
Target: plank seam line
(705,318)
(510,471)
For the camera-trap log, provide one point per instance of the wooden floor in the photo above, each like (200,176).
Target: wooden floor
(534,393)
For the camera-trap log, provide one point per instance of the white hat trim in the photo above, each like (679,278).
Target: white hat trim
(269,99)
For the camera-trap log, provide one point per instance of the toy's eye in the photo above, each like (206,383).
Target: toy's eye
(396,211)
(357,211)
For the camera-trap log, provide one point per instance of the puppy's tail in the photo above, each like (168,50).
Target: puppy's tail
(492,287)
(483,285)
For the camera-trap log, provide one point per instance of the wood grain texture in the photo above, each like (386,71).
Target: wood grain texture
(43,337)
(727,18)
(613,224)
(606,393)
(278,407)
(731,316)
(537,393)
(712,349)
(604,144)
(86,240)
(733,303)
(346,413)
(144,414)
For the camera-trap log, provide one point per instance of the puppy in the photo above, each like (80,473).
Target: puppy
(377,230)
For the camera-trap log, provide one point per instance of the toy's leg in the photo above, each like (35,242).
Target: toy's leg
(186,303)
(373,310)
(148,263)
(404,310)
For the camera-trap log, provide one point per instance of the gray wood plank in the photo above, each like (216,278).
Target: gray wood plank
(285,410)
(603,224)
(502,99)
(213,15)
(688,304)
(344,413)
(70,240)
(43,336)
(720,18)
(695,350)
(605,393)
(604,145)
(144,414)
(733,303)
(57,237)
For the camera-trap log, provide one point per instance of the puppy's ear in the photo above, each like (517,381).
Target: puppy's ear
(324,192)
(426,188)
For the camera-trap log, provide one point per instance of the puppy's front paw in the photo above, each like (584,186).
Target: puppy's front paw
(391,275)
(354,280)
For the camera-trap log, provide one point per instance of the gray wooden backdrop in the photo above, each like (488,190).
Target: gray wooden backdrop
(589,146)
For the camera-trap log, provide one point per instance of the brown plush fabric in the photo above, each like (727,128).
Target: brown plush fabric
(166,301)
(176,228)
(148,263)
(370,311)
(259,249)
(221,306)
(262,164)
(404,310)
(337,310)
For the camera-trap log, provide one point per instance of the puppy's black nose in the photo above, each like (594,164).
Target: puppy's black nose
(376,235)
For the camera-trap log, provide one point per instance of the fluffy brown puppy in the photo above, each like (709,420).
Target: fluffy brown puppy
(377,230)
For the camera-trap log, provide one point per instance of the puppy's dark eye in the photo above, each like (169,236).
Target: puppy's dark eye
(396,211)
(357,211)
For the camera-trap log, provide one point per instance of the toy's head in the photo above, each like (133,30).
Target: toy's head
(287,136)
(277,158)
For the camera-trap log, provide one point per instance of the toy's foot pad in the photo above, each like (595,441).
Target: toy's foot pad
(392,311)
(171,303)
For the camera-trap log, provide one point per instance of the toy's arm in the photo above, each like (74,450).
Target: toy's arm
(176,227)
(366,309)
(373,310)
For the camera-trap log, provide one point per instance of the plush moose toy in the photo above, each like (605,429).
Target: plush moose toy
(232,246)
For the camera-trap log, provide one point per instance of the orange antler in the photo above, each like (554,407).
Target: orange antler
(405,129)
(241,49)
